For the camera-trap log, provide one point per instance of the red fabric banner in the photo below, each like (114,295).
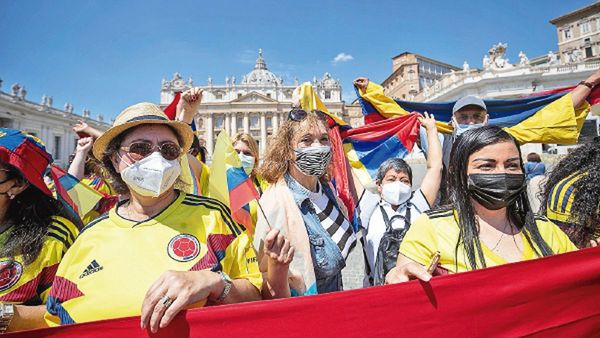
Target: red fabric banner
(548,297)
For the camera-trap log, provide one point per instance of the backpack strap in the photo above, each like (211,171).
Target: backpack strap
(388,221)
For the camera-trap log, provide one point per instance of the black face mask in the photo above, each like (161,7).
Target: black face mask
(496,191)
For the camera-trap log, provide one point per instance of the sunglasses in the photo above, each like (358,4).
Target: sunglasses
(138,150)
(299,115)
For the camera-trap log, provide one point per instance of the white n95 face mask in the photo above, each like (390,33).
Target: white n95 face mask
(152,175)
(395,193)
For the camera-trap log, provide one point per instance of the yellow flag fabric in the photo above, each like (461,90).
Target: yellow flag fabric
(309,100)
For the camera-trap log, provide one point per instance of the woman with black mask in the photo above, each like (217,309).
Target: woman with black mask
(489,221)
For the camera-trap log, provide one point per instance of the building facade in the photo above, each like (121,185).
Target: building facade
(50,124)
(579,34)
(411,73)
(256,105)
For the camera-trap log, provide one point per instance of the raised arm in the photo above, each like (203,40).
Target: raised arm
(433,177)
(189,104)
(82,127)
(581,92)
(77,167)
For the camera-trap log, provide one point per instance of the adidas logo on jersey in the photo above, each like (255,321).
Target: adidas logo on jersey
(93,267)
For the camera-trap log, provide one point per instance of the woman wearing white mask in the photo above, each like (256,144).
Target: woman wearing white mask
(302,204)
(386,222)
(159,251)
(247,149)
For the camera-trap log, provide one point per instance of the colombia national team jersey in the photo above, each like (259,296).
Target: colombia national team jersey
(114,261)
(30,284)
(437,230)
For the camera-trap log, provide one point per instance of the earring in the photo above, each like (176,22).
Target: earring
(11,196)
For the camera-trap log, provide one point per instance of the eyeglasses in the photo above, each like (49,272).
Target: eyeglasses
(138,150)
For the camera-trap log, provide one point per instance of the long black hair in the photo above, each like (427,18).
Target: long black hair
(28,217)
(585,210)
(519,212)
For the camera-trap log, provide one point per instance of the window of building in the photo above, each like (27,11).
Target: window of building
(239,95)
(269,95)
(269,122)
(327,94)
(219,122)
(585,27)
(219,95)
(588,52)
(57,146)
(254,121)
(567,34)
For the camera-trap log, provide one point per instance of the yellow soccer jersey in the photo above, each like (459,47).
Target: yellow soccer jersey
(438,230)
(30,284)
(113,263)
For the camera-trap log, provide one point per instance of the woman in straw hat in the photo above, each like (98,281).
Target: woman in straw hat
(35,231)
(159,251)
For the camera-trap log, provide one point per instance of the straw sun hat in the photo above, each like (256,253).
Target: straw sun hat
(138,114)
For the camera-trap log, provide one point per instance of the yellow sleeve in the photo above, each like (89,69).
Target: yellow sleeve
(558,122)
(558,241)
(240,261)
(61,235)
(420,242)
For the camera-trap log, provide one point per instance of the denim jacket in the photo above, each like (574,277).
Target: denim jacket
(326,256)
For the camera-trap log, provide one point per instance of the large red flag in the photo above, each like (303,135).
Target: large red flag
(557,296)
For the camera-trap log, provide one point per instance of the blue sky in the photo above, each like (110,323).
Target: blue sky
(106,55)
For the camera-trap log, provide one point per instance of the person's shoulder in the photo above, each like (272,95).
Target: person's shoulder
(439,213)
(219,210)
(95,224)
(62,230)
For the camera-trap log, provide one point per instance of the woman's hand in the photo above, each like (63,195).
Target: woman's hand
(278,248)
(81,127)
(189,104)
(427,121)
(361,82)
(182,289)
(406,272)
(84,145)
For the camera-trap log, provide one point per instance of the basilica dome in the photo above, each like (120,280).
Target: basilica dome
(260,75)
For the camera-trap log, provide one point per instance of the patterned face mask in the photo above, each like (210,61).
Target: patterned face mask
(313,161)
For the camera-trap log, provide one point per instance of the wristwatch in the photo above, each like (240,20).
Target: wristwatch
(7,311)
(228,283)
(587,84)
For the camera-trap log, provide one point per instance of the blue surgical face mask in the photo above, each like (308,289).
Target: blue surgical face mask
(247,163)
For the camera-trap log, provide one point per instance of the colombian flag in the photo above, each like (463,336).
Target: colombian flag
(78,197)
(229,183)
(368,146)
(547,117)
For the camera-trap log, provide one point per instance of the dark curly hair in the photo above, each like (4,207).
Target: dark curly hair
(584,222)
(519,213)
(29,215)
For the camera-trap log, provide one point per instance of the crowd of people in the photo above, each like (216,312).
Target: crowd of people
(156,246)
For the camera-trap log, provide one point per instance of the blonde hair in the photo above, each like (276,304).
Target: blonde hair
(280,152)
(251,143)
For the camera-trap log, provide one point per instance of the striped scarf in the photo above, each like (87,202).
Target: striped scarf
(334,222)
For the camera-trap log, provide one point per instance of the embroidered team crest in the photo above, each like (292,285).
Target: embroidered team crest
(183,248)
(10,273)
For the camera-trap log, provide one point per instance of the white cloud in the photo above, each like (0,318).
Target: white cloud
(342,57)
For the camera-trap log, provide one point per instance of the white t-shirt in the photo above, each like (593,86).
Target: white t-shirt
(373,230)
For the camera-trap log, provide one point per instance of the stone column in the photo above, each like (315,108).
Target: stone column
(209,134)
(275,122)
(227,123)
(263,132)
(246,123)
(234,127)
